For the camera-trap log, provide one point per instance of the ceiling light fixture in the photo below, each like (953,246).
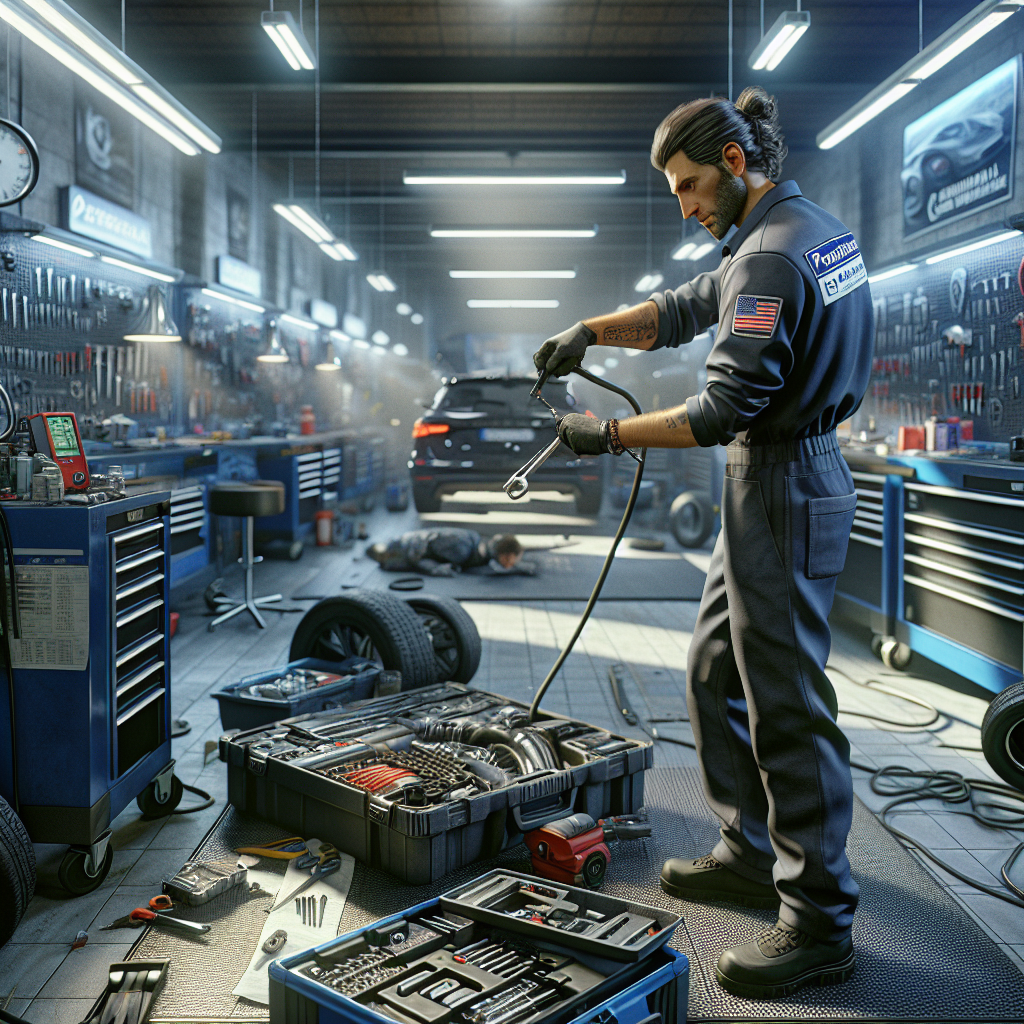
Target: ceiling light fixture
(90,55)
(67,246)
(967,31)
(154,322)
(1003,236)
(416,318)
(289,39)
(315,230)
(380,338)
(509,275)
(403,309)
(330,361)
(275,351)
(513,232)
(359,343)
(649,282)
(512,303)
(233,301)
(339,335)
(381,282)
(702,250)
(885,275)
(499,178)
(296,321)
(780,39)
(681,251)
(145,271)
(399,349)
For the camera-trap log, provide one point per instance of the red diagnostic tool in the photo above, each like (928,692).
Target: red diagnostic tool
(56,434)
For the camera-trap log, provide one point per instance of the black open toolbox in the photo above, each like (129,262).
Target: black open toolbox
(485,776)
(455,959)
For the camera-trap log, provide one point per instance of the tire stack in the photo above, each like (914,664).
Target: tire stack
(17,870)
(428,639)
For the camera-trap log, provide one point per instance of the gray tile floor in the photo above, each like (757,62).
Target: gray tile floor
(54,985)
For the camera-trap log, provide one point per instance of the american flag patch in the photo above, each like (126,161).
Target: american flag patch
(755,316)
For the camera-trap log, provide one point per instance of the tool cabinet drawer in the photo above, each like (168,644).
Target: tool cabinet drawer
(862,576)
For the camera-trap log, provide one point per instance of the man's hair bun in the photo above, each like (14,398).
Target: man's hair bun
(762,111)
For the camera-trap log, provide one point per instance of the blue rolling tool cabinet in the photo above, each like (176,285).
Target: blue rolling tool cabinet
(92,682)
(936,560)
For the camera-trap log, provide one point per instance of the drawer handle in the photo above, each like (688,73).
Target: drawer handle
(134,563)
(973,602)
(873,478)
(142,531)
(138,649)
(131,616)
(973,531)
(952,570)
(873,541)
(956,549)
(155,695)
(138,677)
(134,588)
(952,492)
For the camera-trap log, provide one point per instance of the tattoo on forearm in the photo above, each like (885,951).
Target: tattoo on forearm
(639,325)
(673,422)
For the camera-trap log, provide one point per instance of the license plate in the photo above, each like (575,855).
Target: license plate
(516,434)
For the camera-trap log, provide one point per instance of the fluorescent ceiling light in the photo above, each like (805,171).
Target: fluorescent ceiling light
(381,282)
(289,39)
(403,309)
(416,318)
(779,40)
(380,338)
(289,215)
(513,232)
(299,322)
(67,246)
(233,301)
(419,178)
(168,278)
(337,335)
(611,362)
(1004,236)
(338,250)
(379,351)
(597,370)
(331,251)
(399,349)
(884,275)
(359,343)
(108,60)
(702,250)
(319,230)
(649,282)
(346,250)
(968,30)
(512,303)
(509,275)
(681,251)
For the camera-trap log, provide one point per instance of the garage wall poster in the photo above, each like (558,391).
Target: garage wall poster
(958,158)
(104,147)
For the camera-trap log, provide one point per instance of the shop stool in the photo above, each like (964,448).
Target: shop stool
(247,500)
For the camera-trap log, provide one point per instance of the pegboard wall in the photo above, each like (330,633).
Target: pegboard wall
(918,372)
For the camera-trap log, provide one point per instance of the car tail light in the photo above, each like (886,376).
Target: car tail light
(421,429)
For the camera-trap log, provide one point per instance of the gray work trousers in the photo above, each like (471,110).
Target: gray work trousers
(775,766)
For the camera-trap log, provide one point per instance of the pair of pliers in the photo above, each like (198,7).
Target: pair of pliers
(324,863)
(279,849)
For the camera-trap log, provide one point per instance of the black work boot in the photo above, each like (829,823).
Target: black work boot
(782,960)
(708,879)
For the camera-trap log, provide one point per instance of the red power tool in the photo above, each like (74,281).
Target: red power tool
(574,850)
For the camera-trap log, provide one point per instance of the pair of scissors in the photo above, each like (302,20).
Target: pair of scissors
(322,864)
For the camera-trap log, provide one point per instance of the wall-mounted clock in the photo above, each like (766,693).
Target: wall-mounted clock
(19,163)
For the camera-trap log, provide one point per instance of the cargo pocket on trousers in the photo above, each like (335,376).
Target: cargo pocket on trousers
(828,534)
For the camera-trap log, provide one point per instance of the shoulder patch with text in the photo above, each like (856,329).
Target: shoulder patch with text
(838,267)
(755,316)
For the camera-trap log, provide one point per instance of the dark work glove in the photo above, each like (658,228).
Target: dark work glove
(585,435)
(558,355)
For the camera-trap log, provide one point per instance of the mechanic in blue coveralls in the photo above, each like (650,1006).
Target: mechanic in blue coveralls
(790,361)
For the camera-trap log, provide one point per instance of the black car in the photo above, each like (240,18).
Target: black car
(481,428)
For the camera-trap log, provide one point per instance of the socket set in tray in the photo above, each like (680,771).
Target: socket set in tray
(444,962)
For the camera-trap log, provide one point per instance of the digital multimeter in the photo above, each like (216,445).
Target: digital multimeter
(56,434)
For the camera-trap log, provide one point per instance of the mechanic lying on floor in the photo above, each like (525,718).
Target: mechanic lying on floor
(448,550)
(790,361)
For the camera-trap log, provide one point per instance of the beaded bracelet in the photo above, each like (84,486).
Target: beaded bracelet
(614,444)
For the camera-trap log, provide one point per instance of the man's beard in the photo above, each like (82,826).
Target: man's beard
(730,197)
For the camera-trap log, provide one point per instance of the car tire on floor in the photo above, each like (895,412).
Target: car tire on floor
(426,501)
(692,519)
(1002,735)
(453,635)
(371,624)
(17,870)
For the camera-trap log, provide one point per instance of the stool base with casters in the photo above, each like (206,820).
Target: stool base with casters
(258,498)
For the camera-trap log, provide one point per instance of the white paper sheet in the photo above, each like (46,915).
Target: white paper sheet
(255,983)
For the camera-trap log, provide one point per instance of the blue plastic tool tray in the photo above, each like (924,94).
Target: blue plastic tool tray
(241,710)
(403,968)
(299,774)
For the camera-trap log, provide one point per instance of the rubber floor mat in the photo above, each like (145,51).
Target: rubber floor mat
(919,956)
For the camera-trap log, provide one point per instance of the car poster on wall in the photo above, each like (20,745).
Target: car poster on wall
(958,158)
